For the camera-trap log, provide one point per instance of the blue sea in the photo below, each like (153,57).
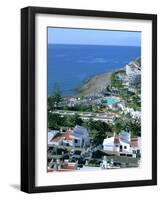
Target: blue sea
(70,65)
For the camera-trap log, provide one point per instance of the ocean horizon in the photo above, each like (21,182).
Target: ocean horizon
(69,65)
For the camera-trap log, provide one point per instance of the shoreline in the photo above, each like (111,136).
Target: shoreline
(93,84)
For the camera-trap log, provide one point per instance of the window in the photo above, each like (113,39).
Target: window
(125,147)
(76,141)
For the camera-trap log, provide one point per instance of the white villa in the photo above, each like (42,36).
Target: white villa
(133,72)
(123,143)
(134,114)
(81,136)
(78,137)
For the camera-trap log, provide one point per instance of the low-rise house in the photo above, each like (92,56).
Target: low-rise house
(123,143)
(81,136)
(129,110)
(136,115)
(131,89)
(135,146)
(121,106)
(51,134)
(112,106)
(117,143)
(78,137)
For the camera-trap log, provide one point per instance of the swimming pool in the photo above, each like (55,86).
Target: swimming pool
(108,100)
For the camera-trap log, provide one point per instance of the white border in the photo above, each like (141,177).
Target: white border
(145,171)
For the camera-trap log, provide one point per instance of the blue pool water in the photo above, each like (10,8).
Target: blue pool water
(108,100)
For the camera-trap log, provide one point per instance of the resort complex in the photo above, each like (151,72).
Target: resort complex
(99,127)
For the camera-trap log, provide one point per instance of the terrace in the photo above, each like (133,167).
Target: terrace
(108,118)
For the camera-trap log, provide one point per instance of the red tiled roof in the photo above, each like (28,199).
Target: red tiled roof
(66,136)
(56,138)
(134,142)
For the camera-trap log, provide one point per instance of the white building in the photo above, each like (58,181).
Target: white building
(135,146)
(121,106)
(78,137)
(120,143)
(123,143)
(51,135)
(134,74)
(81,136)
(136,115)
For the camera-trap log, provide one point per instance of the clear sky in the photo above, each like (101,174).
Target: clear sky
(93,37)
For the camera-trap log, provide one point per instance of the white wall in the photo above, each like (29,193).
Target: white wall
(10,96)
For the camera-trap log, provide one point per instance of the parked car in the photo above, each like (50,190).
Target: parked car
(75,152)
(75,156)
(117,164)
(95,162)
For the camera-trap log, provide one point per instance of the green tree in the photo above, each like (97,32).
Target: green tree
(55,121)
(56,94)
(117,126)
(71,121)
(55,97)
(134,102)
(135,128)
(127,124)
(115,82)
(98,131)
(98,137)
(138,89)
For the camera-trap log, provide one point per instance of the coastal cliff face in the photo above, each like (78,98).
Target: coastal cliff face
(95,84)
(99,82)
